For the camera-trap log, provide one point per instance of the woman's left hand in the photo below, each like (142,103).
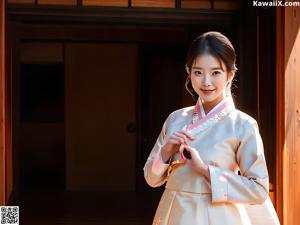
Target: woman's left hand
(196,161)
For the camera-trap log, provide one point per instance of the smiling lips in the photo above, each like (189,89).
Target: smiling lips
(207,91)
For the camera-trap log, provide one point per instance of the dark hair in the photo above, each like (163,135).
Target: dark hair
(212,43)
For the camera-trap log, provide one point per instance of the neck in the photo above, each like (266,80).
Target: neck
(208,106)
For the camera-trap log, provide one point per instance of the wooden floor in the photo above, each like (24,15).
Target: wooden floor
(44,206)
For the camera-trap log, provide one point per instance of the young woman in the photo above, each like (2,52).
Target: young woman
(201,149)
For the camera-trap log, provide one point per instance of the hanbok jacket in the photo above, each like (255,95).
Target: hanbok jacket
(229,141)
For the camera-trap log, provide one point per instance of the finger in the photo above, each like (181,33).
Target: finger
(174,141)
(191,150)
(182,156)
(181,148)
(180,139)
(187,134)
(179,135)
(187,147)
(194,154)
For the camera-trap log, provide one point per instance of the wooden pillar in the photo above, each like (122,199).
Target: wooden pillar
(2,105)
(6,153)
(291,165)
(288,114)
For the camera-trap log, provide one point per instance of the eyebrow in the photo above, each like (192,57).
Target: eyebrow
(214,68)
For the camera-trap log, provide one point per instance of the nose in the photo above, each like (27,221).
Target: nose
(206,80)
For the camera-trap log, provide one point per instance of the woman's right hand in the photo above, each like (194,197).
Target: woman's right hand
(172,145)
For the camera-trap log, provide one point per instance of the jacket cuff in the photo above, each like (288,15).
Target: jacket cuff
(159,167)
(219,184)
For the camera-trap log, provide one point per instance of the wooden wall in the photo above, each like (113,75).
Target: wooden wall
(288,118)
(291,164)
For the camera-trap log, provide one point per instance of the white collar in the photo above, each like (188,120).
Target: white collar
(203,114)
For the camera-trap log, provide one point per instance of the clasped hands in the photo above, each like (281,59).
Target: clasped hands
(177,142)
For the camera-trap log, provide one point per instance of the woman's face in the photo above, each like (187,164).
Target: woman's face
(209,79)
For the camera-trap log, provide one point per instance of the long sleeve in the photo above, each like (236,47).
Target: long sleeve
(252,186)
(155,169)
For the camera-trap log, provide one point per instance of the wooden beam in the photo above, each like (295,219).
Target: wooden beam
(120,33)
(2,106)
(58,14)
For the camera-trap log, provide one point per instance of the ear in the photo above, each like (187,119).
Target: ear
(230,76)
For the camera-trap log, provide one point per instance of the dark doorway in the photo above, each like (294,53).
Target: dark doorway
(42,153)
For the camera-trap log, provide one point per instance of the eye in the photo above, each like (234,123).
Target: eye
(197,72)
(216,73)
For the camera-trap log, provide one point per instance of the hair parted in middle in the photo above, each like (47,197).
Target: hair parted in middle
(215,44)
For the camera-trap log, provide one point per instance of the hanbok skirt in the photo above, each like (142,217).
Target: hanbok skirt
(187,208)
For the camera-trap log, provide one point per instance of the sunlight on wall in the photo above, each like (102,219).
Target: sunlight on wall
(291,156)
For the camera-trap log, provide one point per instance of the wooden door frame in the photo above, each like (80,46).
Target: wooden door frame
(6,156)
(2,107)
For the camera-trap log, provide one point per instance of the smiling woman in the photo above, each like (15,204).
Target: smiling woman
(226,169)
